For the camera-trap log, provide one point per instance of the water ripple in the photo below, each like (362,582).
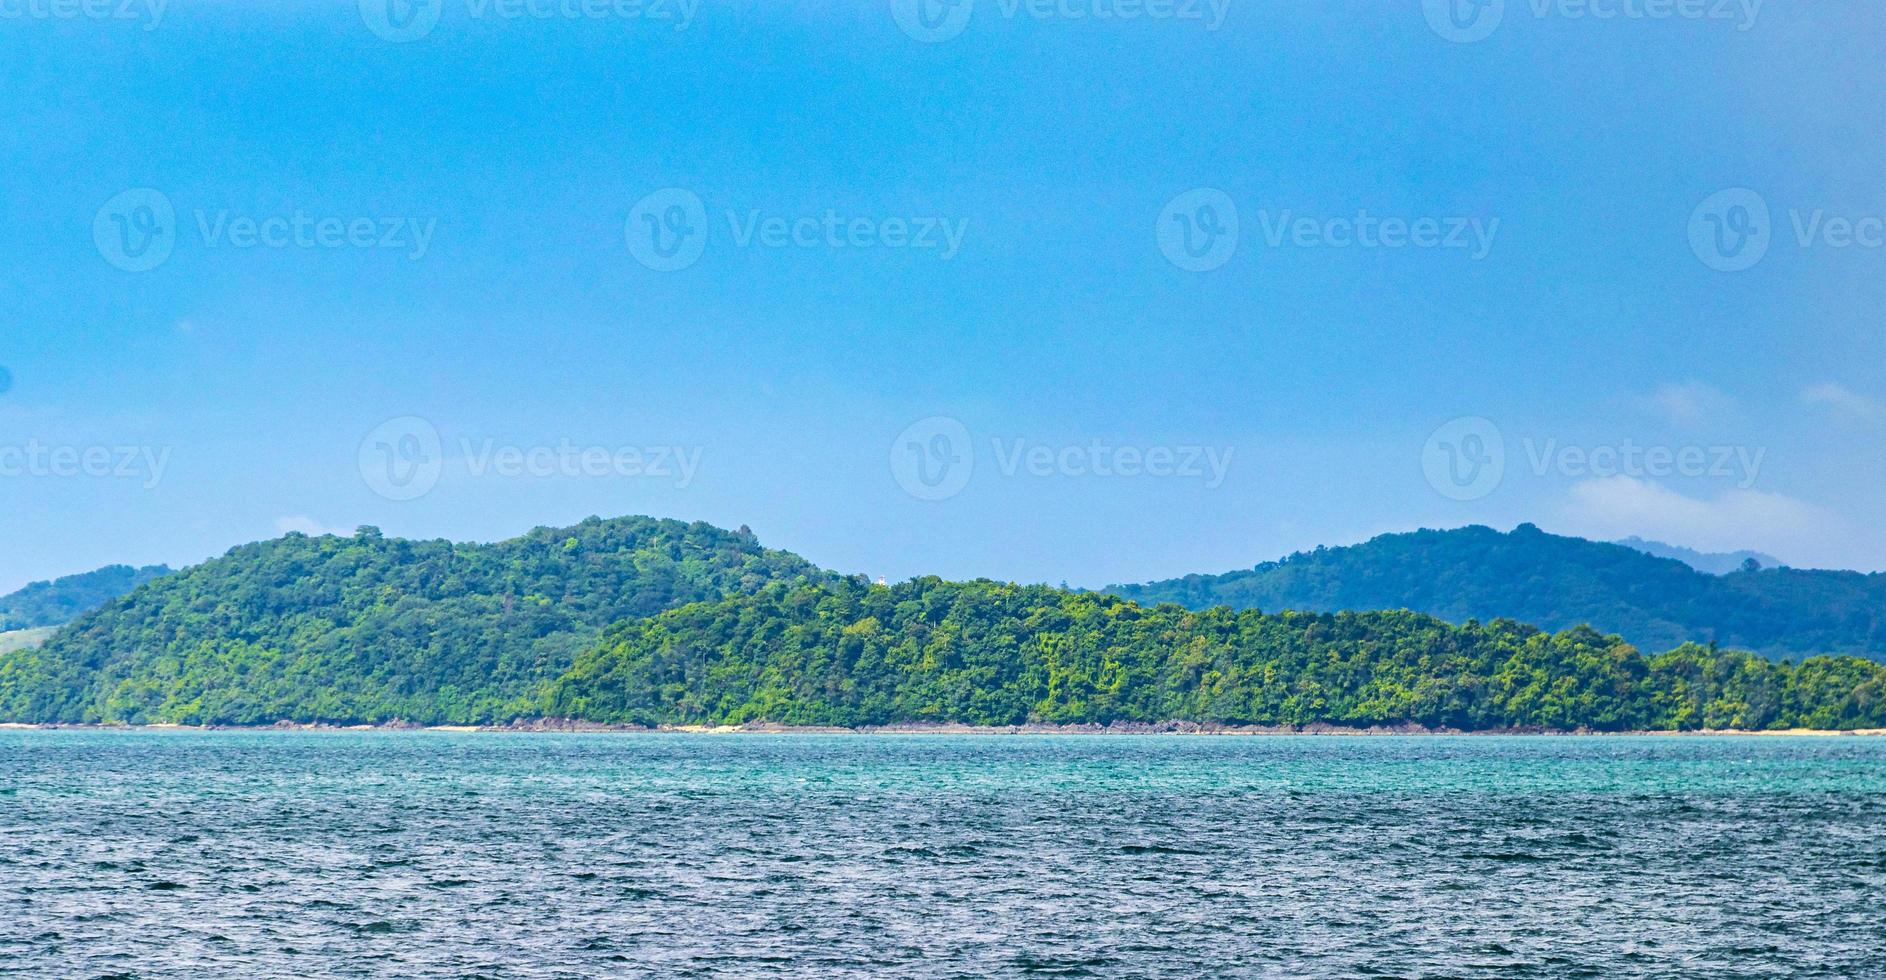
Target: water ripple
(180,854)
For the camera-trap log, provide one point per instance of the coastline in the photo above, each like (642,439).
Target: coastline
(555,726)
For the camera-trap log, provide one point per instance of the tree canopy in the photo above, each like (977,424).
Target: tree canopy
(373,628)
(1556,583)
(987,653)
(62,600)
(642,621)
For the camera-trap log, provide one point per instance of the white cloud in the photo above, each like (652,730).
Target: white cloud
(309,526)
(1621,506)
(1845,404)
(1691,404)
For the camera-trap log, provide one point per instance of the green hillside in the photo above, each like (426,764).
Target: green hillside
(1558,583)
(371,628)
(985,653)
(62,600)
(644,621)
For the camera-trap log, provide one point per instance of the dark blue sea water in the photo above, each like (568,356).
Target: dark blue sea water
(429,854)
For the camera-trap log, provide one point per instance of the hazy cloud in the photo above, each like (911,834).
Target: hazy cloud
(1691,404)
(1621,506)
(1845,404)
(307,525)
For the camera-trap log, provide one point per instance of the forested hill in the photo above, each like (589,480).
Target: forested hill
(849,654)
(375,628)
(1477,573)
(658,622)
(61,600)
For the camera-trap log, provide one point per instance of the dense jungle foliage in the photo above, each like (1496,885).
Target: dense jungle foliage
(371,628)
(642,621)
(986,653)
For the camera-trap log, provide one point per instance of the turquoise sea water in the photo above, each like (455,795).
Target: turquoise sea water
(430,854)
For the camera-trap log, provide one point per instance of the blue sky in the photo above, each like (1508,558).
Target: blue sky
(938,315)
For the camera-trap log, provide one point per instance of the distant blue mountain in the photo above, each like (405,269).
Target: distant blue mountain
(62,600)
(1559,582)
(1713,563)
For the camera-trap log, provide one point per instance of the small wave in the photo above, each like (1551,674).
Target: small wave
(1156,849)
